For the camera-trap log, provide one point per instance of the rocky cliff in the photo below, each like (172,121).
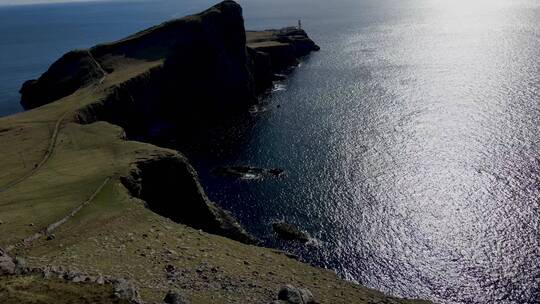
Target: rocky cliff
(206,69)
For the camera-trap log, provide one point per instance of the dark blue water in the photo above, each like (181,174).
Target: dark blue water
(411,142)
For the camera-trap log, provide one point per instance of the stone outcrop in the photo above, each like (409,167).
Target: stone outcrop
(289,294)
(72,71)
(123,289)
(173,297)
(170,187)
(7,264)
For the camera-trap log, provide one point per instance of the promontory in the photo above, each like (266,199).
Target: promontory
(89,213)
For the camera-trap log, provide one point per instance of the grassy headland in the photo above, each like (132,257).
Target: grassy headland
(74,190)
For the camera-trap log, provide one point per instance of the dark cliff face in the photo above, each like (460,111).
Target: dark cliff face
(169,186)
(204,55)
(208,68)
(283,47)
(72,71)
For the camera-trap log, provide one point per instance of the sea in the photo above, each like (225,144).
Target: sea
(410,143)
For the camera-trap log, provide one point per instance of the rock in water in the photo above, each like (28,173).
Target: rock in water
(282,47)
(289,294)
(290,232)
(247,172)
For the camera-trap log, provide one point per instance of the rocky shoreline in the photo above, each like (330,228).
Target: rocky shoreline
(134,209)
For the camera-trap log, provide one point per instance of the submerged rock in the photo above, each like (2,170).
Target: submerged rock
(247,172)
(290,232)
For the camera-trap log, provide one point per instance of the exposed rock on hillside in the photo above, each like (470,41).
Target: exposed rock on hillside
(170,187)
(72,71)
(174,298)
(289,294)
(7,265)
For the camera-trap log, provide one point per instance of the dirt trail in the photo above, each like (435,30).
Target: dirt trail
(50,228)
(46,156)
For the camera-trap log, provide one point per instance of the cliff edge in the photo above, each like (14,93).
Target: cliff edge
(203,68)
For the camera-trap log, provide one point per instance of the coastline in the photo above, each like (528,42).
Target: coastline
(78,153)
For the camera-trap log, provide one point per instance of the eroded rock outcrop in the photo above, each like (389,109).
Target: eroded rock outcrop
(71,72)
(170,187)
(7,264)
(289,294)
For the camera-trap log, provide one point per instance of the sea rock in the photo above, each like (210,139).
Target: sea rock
(289,294)
(173,297)
(247,172)
(290,232)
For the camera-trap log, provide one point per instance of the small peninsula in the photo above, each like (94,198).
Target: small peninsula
(89,213)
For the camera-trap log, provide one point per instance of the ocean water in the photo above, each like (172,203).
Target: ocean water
(410,142)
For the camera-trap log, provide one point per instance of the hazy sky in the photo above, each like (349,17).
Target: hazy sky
(14,2)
